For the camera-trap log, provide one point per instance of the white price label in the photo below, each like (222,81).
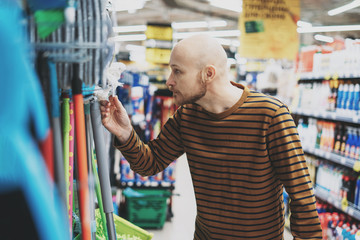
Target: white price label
(343,160)
(328,154)
(333,115)
(355,118)
(322,153)
(351,211)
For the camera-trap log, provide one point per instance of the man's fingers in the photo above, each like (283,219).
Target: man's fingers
(104,103)
(104,109)
(117,103)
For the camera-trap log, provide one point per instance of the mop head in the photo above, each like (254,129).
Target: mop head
(112,73)
(48,21)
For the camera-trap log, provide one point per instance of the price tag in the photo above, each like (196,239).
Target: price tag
(351,212)
(355,118)
(344,204)
(343,160)
(327,76)
(322,153)
(327,155)
(333,115)
(356,166)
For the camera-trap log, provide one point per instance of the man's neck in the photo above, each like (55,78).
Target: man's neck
(220,98)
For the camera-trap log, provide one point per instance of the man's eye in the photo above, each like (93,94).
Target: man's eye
(176,71)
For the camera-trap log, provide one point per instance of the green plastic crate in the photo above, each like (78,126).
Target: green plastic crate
(125,230)
(148,211)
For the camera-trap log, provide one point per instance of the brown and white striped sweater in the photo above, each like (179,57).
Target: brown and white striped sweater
(240,160)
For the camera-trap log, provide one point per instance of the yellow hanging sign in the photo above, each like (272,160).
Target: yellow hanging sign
(268,29)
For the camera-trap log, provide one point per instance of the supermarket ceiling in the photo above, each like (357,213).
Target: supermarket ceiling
(313,11)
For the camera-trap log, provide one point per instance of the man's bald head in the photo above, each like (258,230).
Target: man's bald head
(202,50)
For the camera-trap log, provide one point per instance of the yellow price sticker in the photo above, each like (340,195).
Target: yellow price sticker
(356,166)
(335,76)
(344,204)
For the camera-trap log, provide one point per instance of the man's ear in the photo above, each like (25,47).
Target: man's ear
(208,73)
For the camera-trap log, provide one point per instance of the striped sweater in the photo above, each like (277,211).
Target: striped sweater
(240,160)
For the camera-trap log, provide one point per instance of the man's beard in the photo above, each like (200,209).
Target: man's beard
(197,96)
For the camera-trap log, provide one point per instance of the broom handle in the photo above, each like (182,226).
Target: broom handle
(81,156)
(66,145)
(103,166)
(71,162)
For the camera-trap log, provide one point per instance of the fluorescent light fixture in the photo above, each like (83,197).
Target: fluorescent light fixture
(224,33)
(127,5)
(129,38)
(323,38)
(346,7)
(303,24)
(338,28)
(198,24)
(233,5)
(228,42)
(134,28)
(135,48)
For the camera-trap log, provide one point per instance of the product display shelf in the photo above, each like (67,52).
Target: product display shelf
(334,116)
(333,157)
(348,208)
(322,76)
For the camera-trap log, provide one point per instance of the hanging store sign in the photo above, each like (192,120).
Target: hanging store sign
(268,29)
(158,43)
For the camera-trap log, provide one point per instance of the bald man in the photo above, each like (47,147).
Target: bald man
(242,147)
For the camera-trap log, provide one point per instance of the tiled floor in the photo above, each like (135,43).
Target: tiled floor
(184,208)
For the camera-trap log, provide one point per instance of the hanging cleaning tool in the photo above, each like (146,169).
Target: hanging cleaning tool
(46,146)
(66,145)
(71,163)
(103,166)
(81,154)
(28,208)
(56,126)
(89,147)
(98,194)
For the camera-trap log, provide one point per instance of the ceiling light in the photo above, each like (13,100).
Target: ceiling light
(303,24)
(346,7)
(339,28)
(129,38)
(199,24)
(126,5)
(233,5)
(224,33)
(135,48)
(323,38)
(134,28)
(228,42)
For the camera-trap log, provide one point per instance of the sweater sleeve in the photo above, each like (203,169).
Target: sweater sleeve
(288,160)
(154,157)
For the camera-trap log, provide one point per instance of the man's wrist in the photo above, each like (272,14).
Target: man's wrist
(124,136)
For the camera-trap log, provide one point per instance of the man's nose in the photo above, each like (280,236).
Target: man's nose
(170,81)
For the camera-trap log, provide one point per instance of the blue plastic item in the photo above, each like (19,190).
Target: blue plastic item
(24,122)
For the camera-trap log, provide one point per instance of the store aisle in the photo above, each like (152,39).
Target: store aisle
(182,225)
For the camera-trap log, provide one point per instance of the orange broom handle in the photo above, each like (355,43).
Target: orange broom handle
(81,154)
(82,167)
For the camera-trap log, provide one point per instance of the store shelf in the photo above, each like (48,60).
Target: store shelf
(322,76)
(333,157)
(325,195)
(335,116)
